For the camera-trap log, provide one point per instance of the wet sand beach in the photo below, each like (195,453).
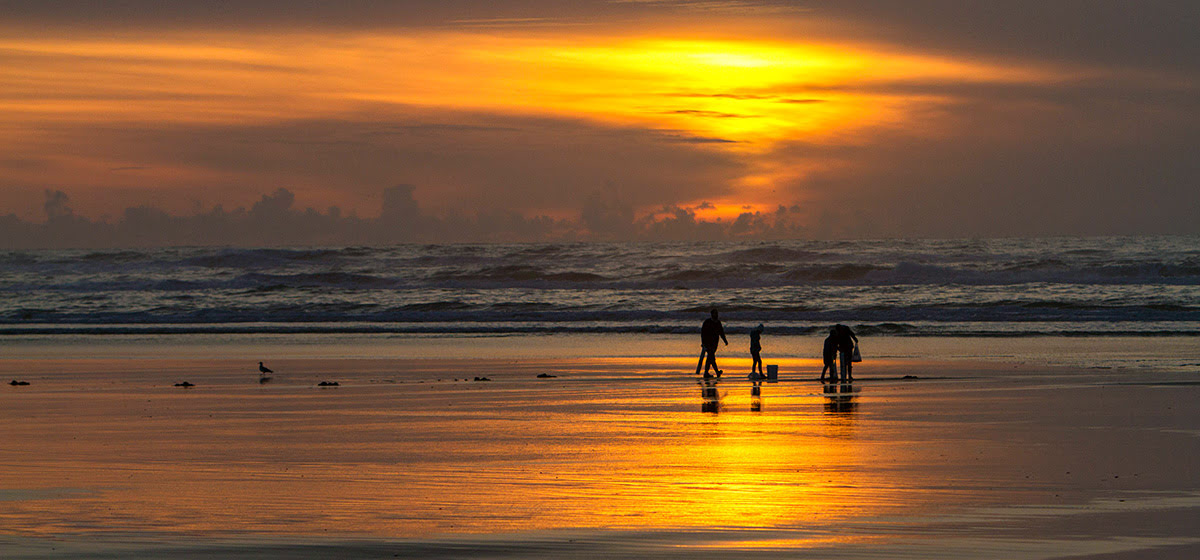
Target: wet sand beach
(614,456)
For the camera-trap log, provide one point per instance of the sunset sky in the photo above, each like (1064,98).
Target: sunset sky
(860,118)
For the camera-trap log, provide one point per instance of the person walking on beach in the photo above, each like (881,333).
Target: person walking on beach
(846,341)
(755,348)
(710,332)
(829,356)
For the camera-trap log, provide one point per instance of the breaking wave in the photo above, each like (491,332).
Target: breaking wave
(904,287)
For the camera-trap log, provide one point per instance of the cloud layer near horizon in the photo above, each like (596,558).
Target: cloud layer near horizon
(858,119)
(275,219)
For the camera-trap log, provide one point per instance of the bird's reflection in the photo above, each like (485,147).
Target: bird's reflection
(840,398)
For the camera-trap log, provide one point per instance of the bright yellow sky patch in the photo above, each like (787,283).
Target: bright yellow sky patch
(751,93)
(750,90)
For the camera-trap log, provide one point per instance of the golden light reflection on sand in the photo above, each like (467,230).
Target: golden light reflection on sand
(612,448)
(413,458)
(784,544)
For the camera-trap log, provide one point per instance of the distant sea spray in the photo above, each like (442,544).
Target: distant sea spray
(1009,287)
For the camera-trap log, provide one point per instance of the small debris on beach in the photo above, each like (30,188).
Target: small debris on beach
(185,384)
(910,377)
(482,379)
(15,383)
(546,376)
(327,384)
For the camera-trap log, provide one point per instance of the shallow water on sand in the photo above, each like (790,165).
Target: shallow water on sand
(616,455)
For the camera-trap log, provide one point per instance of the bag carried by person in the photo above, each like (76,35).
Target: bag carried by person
(855,356)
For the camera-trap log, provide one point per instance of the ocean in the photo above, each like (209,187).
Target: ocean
(1142,286)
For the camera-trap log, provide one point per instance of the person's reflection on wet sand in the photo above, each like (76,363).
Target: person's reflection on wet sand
(711,398)
(756,397)
(840,398)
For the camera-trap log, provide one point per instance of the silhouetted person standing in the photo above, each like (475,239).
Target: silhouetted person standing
(845,344)
(710,332)
(829,356)
(755,349)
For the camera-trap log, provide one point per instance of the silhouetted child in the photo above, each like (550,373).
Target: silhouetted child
(755,348)
(829,355)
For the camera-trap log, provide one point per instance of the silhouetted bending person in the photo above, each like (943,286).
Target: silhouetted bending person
(710,332)
(829,356)
(755,348)
(845,343)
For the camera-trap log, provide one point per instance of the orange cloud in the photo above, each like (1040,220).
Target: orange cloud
(745,95)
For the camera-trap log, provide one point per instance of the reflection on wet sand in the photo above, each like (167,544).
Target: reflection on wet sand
(839,398)
(604,445)
(106,449)
(710,397)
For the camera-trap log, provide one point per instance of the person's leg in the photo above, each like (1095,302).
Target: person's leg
(844,359)
(708,359)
